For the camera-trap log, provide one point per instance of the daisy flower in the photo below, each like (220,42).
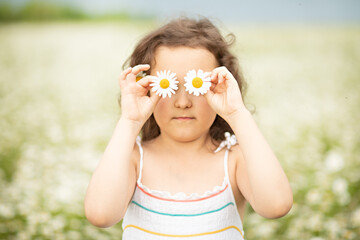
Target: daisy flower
(197,82)
(165,83)
(140,76)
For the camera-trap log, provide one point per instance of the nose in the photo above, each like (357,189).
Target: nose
(182,98)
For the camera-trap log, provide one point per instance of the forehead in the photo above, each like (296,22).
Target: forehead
(183,59)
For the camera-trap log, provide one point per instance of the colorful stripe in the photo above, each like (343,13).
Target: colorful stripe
(183,215)
(187,235)
(185,200)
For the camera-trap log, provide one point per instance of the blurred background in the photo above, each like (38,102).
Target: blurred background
(59,63)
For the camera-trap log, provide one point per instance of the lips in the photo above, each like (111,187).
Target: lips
(183,118)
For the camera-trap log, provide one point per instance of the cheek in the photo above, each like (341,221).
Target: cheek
(161,110)
(206,111)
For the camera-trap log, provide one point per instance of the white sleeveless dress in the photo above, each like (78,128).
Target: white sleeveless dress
(155,215)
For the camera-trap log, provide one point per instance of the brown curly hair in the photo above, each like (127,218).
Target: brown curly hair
(193,33)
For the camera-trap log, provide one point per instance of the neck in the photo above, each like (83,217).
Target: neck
(185,148)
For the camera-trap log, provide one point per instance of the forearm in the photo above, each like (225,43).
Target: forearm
(267,181)
(107,193)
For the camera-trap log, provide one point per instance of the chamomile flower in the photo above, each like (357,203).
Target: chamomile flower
(140,76)
(165,83)
(197,82)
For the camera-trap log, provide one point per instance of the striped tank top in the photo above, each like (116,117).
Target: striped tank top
(158,215)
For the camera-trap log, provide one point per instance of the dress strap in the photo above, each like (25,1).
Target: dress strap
(228,142)
(138,142)
(226,165)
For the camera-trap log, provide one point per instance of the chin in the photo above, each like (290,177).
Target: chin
(185,135)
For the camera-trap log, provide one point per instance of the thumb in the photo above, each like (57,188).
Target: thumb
(209,95)
(155,99)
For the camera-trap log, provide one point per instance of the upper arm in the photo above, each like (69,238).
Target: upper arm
(108,197)
(242,179)
(267,209)
(133,169)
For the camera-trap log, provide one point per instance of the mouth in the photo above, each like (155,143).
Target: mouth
(183,118)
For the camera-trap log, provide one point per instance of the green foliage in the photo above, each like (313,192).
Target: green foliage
(41,10)
(38,10)
(6,12)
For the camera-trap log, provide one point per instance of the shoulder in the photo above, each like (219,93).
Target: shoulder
(136,154)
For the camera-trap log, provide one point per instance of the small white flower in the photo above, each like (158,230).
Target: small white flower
(315,222)
(317,238)
(334,161)
(165,84)
(355,217)
(339,186)
(197,82)
(333,227)
(265,229)
(313,196)
(344,199)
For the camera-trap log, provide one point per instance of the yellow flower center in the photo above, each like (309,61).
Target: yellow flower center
(197,82)
(164,83)
(138,78)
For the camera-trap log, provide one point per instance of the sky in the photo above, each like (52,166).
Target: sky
(255,11)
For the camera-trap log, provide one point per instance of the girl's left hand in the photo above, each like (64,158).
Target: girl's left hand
(224,95)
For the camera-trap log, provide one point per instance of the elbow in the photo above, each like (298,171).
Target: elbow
(100,218)
(277,208)
(98,222)
(281,208)
(281,211)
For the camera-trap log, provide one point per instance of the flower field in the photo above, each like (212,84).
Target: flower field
(58,108)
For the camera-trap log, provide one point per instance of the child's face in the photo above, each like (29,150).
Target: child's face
(180,60)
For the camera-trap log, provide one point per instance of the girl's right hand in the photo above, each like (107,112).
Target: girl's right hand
(135,104)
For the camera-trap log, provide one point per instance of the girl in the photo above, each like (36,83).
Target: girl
(199,156)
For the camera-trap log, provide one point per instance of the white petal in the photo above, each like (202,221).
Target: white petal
(207,75)
(207,84)
(207,79)
(191,74)
(200,73)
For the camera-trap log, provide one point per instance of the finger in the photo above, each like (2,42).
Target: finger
(215,72)
(145,81)
(138,68)
(155,98)
(124,73)
(208,95)
(222,76)
(123,76)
